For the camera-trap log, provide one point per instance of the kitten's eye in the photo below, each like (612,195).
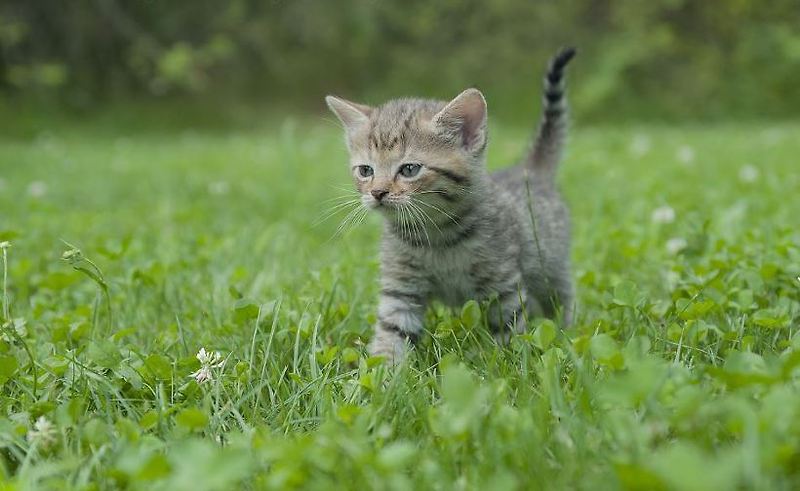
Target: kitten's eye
(365,171)
(409,170)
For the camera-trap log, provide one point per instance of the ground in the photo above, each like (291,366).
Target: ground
(132,248)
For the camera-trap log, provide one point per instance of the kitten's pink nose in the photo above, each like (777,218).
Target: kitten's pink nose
(378,194)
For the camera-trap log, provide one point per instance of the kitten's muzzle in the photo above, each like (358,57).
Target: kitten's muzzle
(379,194)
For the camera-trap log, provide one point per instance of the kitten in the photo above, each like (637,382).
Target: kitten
(452,231)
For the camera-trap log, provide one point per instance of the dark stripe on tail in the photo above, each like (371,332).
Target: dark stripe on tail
(546,151)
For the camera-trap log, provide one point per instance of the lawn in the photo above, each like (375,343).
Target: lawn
(131,249)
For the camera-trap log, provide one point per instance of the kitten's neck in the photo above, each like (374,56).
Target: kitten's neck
(449,222)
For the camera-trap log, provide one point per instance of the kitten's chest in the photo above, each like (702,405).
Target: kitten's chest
(452,281)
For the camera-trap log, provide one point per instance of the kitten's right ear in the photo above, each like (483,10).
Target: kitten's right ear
(351,115)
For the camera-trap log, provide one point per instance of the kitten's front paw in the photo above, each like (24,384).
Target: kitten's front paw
(389,344)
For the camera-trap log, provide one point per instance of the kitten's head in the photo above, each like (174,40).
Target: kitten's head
(408,151)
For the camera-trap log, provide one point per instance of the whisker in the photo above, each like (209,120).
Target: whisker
(329,213)
(345,222)
(446,213)
(402,220)
(343,204)
(356,221)
(361,218)
(341,187)
(336,198)
(452,218)
(322,219)
(404,228)
(426,216)
(418,224)
(412,232)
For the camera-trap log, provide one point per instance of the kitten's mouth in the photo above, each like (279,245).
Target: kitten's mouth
(384,205)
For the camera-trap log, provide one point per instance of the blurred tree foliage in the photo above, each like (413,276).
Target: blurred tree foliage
(657,58)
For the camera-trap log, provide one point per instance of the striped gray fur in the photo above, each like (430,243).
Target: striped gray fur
(452,231)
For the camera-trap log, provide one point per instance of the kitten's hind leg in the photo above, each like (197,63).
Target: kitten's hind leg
(508,315)
(559,300)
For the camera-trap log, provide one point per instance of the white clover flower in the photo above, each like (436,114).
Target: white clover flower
(37,189)
(43,433)
(203,375)
(5,244)
(685,154)
(676,245)
(208,360)
(663,214)
(748,173)
(640,145)
(218,188)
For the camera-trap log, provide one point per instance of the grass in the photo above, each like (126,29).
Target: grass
(131,251)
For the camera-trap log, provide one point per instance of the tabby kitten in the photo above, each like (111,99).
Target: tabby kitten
(452,231)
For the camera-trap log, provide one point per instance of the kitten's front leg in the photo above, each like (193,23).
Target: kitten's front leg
(401,310)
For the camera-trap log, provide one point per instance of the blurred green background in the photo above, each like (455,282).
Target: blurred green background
(653,60)
(185,149)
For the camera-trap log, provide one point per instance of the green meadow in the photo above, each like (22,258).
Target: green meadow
(129,247)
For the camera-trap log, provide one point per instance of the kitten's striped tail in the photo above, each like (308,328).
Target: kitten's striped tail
(545,153)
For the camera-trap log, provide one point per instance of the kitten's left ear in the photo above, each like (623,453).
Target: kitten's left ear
(464,119)
(351,115)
